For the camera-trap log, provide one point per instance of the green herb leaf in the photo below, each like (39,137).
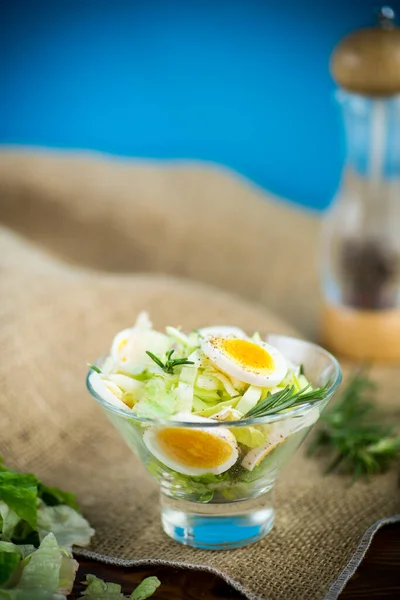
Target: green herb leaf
(352,435)
(170,364)
(156,359)
(285,399)
(94,368)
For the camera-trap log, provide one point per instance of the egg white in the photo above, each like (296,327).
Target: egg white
(255,456)
(153,445)
(280,432)
(224,362)
(222,331)
(107,390)
(130,345)
(120,346)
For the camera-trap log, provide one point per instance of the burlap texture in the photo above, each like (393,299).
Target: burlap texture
(77,234)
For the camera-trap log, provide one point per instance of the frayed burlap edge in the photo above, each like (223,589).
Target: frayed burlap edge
(333,592)
(361,550)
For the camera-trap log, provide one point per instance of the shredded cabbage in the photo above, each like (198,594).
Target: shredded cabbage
(249,436)
(158,401)
(186,383)
(174,375)
(47,573)
(249,399)
(213,410)
(148,378)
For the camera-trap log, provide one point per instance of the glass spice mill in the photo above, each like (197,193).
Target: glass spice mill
(361,231)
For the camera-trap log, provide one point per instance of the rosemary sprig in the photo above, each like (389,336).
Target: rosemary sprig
(170,363)
(352,434)
(284,399)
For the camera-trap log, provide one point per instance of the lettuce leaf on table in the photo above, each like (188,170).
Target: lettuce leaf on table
(46,573)
(97,589)
(29,510)
(146,588)
(19,492)
(53,496)
(10,558)
(32,512)
(8,520)
(68,526)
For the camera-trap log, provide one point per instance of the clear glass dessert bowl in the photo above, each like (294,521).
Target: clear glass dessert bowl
(216,478)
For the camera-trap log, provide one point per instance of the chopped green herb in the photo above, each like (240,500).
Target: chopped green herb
(170,363)
(353,435)
(283,400)
(94,368)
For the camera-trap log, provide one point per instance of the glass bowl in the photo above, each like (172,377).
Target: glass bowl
(233,508)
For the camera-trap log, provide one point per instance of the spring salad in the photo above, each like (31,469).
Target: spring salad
(210,375)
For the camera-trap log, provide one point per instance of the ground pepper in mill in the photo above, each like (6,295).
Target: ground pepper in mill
(360,236)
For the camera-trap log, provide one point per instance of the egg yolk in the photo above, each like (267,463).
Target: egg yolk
(194,448)
(247,354)
(121,347)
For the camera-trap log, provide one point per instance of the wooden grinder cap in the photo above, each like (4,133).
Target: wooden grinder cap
(367,61)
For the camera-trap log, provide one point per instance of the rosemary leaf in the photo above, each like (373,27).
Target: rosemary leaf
(170,363)
(352,435)
(156,359)
(285,399)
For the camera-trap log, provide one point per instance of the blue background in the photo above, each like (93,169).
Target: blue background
(244,83)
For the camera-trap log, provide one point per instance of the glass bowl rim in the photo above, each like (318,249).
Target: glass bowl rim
(300,410)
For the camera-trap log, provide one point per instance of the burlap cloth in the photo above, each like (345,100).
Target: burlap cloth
(80,248)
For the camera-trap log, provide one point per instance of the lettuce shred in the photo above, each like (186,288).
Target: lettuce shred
(161,389)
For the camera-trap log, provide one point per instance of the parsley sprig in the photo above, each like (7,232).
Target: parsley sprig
(284,399)
(170,363)
(353,435)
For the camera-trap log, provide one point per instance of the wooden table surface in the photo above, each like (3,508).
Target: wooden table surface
(378,576)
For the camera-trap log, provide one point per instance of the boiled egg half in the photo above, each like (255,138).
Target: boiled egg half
(222,330)
(256,363)
(193,450)
(129,346)
(107,390)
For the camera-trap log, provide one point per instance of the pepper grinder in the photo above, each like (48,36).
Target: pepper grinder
(361,231)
